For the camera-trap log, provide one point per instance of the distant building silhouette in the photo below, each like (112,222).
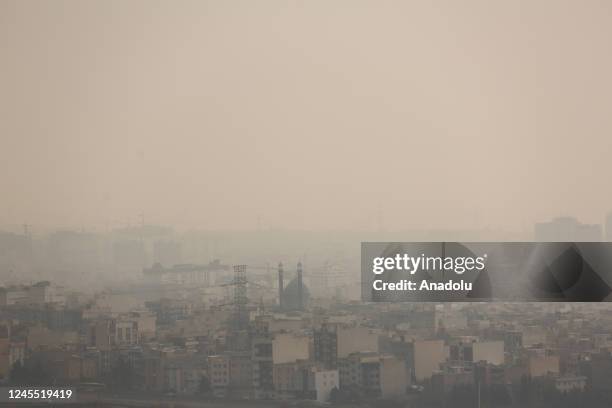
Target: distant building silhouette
(567,229)
(609,226)
(167,252)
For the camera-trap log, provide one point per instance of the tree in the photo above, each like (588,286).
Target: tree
(204,387)
(33,372)
(122,375)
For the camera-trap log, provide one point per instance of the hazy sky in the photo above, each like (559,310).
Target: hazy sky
(306,114)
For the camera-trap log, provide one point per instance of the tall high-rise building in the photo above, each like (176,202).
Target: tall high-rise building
(567,229)
(326,346)
(609,227)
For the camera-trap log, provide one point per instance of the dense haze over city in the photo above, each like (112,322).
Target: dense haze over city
(317,116)
(185,185)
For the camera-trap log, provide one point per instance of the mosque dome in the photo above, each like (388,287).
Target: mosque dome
(291,299)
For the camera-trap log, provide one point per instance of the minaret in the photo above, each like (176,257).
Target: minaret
(280,285)
(300,287)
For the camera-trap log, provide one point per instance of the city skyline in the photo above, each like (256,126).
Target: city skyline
(382,204)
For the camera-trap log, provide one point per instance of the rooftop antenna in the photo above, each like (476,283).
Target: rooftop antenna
(300,286)
(142,223)
(281,285)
